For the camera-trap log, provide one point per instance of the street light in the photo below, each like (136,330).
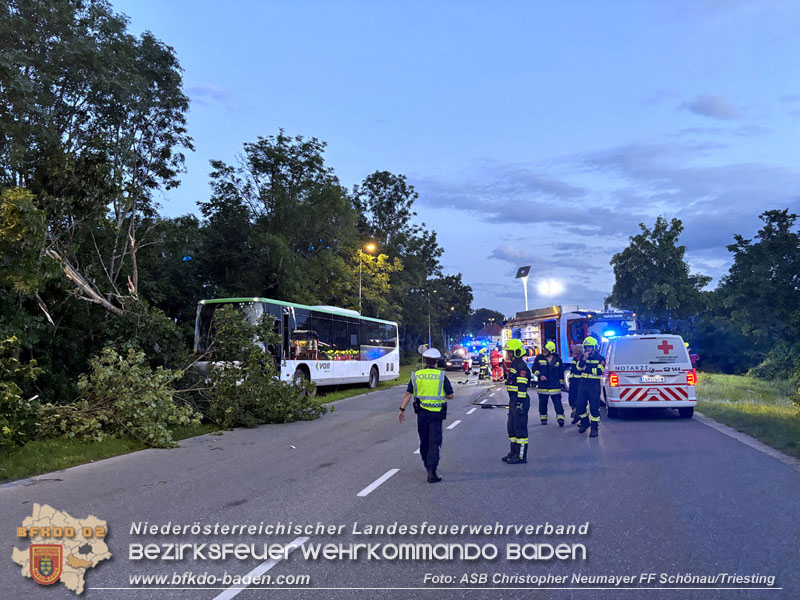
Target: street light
(522,273)
(370,247)
(549,288)
(429,319)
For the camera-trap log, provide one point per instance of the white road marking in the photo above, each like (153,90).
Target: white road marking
(453,424)
(484,401)
(472,410)
(372,486)
(416,451)
(261,569)
(492,394)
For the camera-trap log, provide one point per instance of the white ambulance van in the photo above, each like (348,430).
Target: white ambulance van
(645,371)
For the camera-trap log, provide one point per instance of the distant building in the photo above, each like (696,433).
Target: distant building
(492,331)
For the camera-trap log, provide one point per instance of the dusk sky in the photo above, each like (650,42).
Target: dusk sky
(536,133)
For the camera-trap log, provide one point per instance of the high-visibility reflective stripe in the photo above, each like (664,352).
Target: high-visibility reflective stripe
(543,417)
(512,440)
(560,417)
(522,440)
(549,390)
(594,418)
(429,402)
(587,376)
(521,394)
(584,415)
(512,370)
(511,388)
(522,380)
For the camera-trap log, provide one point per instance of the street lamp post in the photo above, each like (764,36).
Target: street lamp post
(369,248)
(522,273)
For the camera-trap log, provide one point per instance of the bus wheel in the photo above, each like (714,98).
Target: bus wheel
(302,375)
(686,412)
(374,378)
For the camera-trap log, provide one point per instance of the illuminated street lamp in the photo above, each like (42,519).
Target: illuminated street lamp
(370,247)
(550,288)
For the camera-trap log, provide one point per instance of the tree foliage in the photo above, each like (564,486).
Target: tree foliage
(244,387)
(121,395)
(653,279)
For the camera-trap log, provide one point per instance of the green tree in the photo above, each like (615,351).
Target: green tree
(482,317)
(653,279)
(761,292)
(293,223)
(92,122)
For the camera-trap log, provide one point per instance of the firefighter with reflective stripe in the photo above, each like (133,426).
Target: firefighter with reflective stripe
(431,390)
(483,373)
(575,381)
(549,372)
(518,404)
(592,366)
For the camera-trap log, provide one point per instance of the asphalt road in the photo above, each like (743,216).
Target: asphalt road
(661,495)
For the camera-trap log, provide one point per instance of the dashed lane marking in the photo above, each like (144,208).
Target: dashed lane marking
(374,485)
(472,410)
(261,569)
(453,424)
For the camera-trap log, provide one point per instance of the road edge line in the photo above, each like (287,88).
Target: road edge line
(748,440)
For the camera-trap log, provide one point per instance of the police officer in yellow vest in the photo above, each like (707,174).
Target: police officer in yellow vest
(431,390)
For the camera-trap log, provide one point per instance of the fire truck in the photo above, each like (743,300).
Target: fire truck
(567,325)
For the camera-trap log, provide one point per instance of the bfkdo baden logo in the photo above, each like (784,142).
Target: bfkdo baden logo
(62,547)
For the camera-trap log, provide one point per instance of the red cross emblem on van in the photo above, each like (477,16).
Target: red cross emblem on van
(665,347)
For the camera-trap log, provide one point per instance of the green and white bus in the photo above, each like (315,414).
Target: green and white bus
(324,344)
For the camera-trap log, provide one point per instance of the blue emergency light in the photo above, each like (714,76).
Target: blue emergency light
(609,334)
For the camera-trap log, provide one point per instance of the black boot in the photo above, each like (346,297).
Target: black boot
(432,476)
(594,432)
(560,419)
(584,426)
(543,419)
(511,452)
(521,456)
(575,417)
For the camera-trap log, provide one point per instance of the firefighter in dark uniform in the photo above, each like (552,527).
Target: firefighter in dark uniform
(592,366)
(483,373)
(518,404)
(549,372)
(431,390)
(575,381)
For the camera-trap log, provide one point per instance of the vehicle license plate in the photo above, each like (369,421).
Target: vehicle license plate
(652,378)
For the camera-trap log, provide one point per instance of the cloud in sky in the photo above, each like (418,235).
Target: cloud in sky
(205,92)
(715,107)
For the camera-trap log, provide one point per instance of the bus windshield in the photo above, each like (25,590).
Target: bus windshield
(204,329)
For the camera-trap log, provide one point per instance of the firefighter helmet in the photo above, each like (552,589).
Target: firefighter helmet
(590,341)
(515,346)
(550,346)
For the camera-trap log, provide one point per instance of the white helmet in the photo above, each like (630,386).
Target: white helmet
(432,353)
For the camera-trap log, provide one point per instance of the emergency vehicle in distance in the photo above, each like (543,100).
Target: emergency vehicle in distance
(567,325)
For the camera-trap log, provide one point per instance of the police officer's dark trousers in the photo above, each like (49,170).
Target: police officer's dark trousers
(589,403)
(429,427)
(517,424)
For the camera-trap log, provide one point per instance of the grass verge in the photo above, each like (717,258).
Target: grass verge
(45,456)
(756,407)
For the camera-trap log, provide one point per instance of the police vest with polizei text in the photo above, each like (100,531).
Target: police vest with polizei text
(428,387)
